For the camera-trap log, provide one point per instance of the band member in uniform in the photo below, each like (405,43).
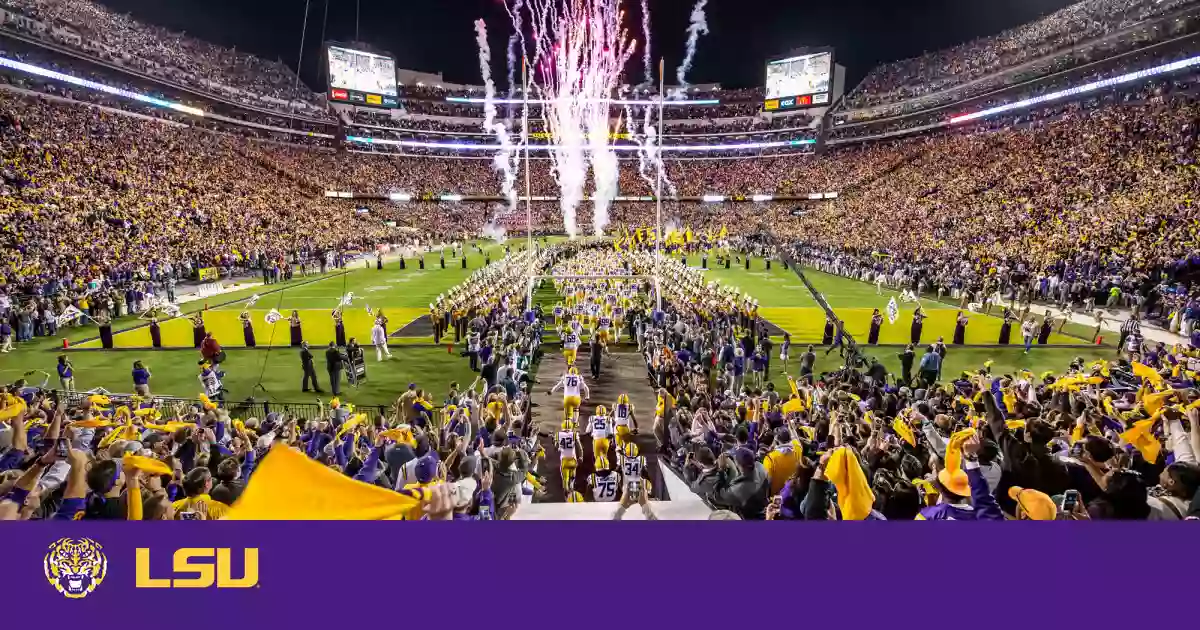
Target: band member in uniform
(960,329)
(1006,327)
(918,322)
(247,329)
(106,334)
(339,327)
(1046,329)
(155,333)
(294,326)
(876,324)
(198,331)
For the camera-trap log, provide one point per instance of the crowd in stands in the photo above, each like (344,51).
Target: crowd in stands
(1097,199)
(1059,31)
(117,38)
(102,209)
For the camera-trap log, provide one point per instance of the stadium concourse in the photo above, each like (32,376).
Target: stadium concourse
(196,231)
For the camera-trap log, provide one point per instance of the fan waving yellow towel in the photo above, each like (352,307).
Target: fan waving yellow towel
(853,492)
(1147,372)
(288,486)
(1141,437)
(905,431)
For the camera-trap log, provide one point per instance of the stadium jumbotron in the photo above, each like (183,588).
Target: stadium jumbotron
(582,275)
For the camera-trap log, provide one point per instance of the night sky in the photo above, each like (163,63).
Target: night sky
(438,35)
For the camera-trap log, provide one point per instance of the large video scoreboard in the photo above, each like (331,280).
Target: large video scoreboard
(804,80)
(361,78)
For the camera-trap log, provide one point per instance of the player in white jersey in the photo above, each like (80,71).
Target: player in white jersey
(568,454)
(625,421)
(570,346)
(601,430)
(605,485)
(604,329)
(633,468)
(572,384)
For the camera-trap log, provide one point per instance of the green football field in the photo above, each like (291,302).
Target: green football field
(404,295)
(785,302)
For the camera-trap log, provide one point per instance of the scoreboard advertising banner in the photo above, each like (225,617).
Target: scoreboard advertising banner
(804,80)
(362,78)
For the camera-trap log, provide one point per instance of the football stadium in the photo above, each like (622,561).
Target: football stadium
(568,280)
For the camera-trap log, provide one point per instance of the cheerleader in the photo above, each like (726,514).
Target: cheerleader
(198,331)
(339,328)
(876,324)
(1006,327)
(247,329)
(960,329)
(918,320)
(297,334)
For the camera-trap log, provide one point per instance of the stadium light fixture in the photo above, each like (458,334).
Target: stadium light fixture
(1082,89)
(468,146)
(517,101)
(713,198)
(400,196)
(99,87)
(762,197)
(451,198)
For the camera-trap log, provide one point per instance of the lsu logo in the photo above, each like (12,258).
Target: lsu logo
(75,567)
(195,567)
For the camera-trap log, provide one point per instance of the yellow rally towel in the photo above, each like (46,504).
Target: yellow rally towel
(91,423)
(1148,373)
(853,492)
(1142,438)
(350,424)
(1013,425)
(125,432)
(13,407)
(170,427)
(904,430)
(1154,402)
(148,464)
(288,486)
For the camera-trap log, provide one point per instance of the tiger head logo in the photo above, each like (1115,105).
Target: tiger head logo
(75,567)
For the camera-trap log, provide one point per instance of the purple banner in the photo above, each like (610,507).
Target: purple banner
(543,574)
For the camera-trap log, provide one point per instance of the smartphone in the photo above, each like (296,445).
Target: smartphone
(54,396)
(189,516)
(1069,503)
(62,448)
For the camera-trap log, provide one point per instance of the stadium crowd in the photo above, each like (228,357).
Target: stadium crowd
(1054,33)
(96,30)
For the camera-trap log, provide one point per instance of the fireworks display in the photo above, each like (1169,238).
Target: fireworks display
(576,52)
